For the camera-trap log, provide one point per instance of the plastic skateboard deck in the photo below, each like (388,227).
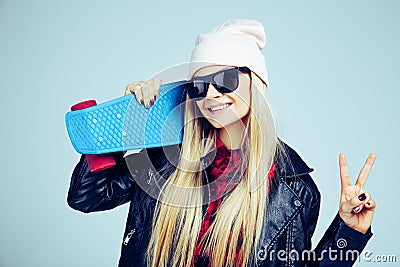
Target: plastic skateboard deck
(124,124)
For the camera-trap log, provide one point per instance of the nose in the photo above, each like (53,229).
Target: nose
(212,92)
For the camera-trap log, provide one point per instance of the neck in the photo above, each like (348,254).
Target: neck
(232,135)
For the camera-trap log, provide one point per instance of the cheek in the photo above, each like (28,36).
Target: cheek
(245,107)
(244,88)
(201,112)
(246,98)
(199,105)
(243,96)
(243,99)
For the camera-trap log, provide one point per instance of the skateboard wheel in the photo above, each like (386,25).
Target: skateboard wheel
(84,104)
(96,162)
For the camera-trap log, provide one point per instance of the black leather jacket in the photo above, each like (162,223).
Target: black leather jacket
(292,211)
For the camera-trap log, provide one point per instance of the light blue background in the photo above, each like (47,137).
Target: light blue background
(333,68)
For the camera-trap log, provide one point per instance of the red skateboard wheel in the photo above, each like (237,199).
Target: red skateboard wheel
(96,162)
(84,104)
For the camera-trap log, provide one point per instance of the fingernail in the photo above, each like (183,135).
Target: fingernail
(362,197)
(357,209)
(151,102)
(142,102)
(368,203)
(155,97)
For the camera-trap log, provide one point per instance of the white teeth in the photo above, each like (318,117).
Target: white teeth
(219,107)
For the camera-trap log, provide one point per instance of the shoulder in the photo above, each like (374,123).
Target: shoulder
(292,170)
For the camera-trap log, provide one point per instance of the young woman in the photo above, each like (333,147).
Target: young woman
(233,193)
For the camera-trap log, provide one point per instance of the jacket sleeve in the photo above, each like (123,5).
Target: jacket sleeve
(340,245)
(103,190)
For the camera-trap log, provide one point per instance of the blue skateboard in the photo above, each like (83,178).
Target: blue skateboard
(124,124)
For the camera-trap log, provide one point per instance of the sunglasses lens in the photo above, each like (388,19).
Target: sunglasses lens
(197,89)
(227,81)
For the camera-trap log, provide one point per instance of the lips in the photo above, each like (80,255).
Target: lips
(218,107)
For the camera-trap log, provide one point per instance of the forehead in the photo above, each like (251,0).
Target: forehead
(210,70)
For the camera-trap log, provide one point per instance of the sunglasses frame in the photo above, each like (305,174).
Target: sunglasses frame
(210,79)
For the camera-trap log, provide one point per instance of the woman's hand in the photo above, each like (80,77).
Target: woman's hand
(146,92)
(356,206)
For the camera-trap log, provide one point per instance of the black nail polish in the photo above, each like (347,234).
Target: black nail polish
(368,203)
(362,197)
(142,102)
(151,102)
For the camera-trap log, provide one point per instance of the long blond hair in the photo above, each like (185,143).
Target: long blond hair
(178,213)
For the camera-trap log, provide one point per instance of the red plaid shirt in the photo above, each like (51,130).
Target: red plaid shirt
(222,181)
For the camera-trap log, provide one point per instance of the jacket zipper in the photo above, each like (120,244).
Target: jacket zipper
(129,236)
(205,173)
(151,176)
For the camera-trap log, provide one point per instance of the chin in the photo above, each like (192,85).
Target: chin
(224,124)
(215,124)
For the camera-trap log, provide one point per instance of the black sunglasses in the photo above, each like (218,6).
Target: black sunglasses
(225,81)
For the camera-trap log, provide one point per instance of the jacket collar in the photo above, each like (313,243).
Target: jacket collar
(290,164)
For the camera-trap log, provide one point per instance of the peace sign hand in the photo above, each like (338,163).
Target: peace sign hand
(356,206)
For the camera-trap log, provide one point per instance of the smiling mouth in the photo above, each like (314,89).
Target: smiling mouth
(219,107)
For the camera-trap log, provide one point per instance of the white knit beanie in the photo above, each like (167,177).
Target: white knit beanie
(237,42)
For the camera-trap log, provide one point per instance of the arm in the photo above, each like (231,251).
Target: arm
(350,230)
(102,190)
(105,189)
(340,245)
